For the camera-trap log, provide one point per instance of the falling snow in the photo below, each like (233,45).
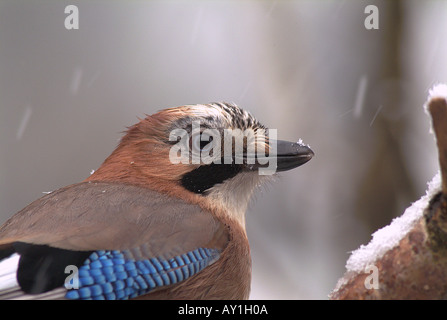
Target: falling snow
(375,116)
(244,92)
(360,98)
(93,79)
(24,122)
(76,81)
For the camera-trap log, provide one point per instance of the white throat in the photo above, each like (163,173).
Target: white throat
(234,194)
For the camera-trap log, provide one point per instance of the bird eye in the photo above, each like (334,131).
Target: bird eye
(202,142)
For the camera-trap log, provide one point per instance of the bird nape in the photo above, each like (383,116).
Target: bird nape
(163,217)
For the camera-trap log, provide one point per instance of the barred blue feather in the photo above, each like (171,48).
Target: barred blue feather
(108,275)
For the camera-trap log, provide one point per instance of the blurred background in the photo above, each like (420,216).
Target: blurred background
(310,69)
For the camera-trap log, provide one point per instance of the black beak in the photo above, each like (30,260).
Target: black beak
(290,155)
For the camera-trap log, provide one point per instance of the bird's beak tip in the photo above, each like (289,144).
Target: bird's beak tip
(292,154)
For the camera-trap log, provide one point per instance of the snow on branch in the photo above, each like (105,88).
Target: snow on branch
(408,258)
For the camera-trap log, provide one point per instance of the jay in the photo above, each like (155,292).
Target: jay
(146,225)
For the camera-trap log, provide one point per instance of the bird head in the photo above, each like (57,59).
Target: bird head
(213,154)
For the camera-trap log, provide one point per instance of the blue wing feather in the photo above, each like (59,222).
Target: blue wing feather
(109,275)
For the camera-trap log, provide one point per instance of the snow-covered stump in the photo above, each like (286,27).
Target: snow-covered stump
(408,258)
